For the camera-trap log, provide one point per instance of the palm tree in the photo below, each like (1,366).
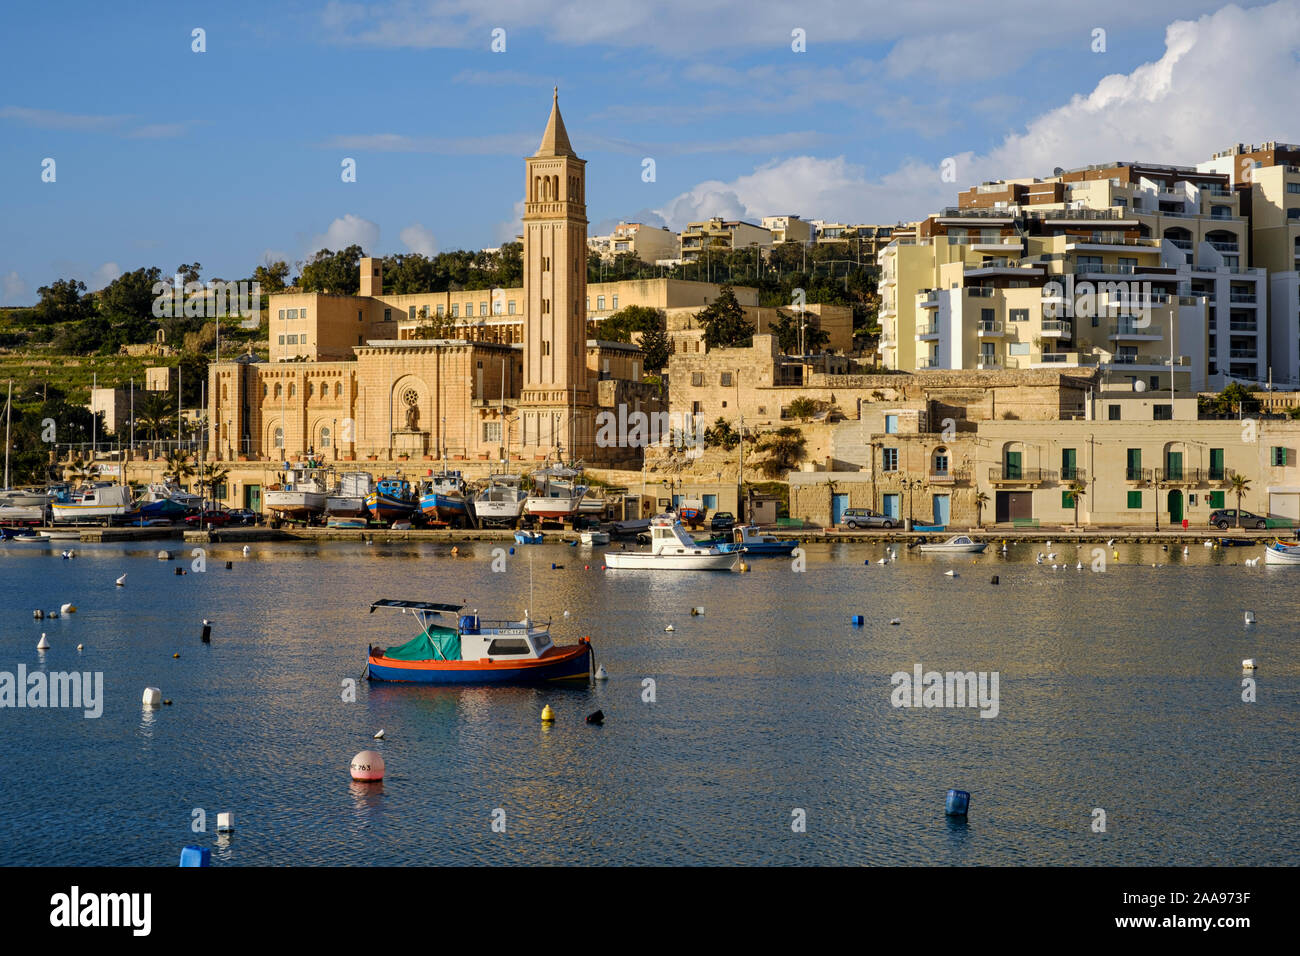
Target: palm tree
(1076,490)
(81,470)
(178,466)
(211,475)
(981,499)
(154,415)
(1239,484)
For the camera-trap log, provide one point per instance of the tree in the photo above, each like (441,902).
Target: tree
(786,328)
(338,273)
(154,415)
(272,276)
(981,499)
(178,466)
(803,407)
(785,448)
(656,348)
(440,325)
(81,470)
(1076,490)
(63,300)
(1239,484)
(630,319)
(721,435)
(210,477)
(724,322)
(189,271)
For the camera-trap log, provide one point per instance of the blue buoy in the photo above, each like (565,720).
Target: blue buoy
(958,803)
(196,856)
(857,620)
(512,550)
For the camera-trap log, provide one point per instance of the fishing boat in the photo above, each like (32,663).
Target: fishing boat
(1281,553)
(442,497)
(99,501)
(528,537)
(672,549)
(957,544)
(692,512)
(391,500)
(501,500)
(300,496)
(588,538)
(348,498)
(345,521)
(170,490)
(556,495)
(749,539)
(591,505)
(455,648)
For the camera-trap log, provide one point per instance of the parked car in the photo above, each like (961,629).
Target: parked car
(866,518)
(243,516)
(214,519)
(1226,518)
(722,521)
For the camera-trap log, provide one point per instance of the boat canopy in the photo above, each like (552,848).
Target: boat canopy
(432,644)
(416,605)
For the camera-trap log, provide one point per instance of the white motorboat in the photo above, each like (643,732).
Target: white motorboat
(589,538)
(348,499)
(100,501)
(957,544)
(672,549)
(20,506)
(1279,553)
(501,501)
(555,495)
(169,490)
(300,496)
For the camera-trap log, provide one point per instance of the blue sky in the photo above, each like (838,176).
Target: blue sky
(164,155)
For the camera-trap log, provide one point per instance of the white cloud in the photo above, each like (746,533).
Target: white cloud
(508,230)
(418,239)
(12,287)
(102,276)
(1224,78)
(346,231)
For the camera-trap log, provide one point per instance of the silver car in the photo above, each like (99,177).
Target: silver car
(866,518)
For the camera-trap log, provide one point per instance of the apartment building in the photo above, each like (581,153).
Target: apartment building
(1268,178)
(722,235)
(651,244)
(789,228)
(993,288)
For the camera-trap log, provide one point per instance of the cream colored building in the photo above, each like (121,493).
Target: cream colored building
(722,235)
(652,244)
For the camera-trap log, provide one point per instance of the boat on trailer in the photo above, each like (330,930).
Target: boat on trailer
(456,648)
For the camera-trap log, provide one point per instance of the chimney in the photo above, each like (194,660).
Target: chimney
(372,277)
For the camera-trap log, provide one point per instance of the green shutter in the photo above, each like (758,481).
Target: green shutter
(1174,466)
(1134,469)
(1067,500)
(1068,460)
(1216,464)
(1279,457)
(1013,465)
(1216,499)
(1135,500)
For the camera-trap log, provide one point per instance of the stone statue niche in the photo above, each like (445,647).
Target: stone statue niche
(413,418)
(410,440)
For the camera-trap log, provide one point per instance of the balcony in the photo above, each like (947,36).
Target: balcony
(1243,327)
(1055,328)
(980,291)
(952,476)
(1229,247)
(1137,475)
(928,332)
(1074,474)
(927,361)
(988,363)
(1133,331)
(1247,298)
(1250,354)
(987,329)
(928,299)
(1183,244)
(1179,476)
(1014,475)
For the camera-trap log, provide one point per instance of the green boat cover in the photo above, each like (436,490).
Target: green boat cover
(437,644)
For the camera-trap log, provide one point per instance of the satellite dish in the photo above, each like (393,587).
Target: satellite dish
(1139,386)
(1057,171)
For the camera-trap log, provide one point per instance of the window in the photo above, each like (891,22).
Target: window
(1135,500)
(1278,456)
(986,316)
(891,424)
(1019,315)
(1133,469)
(1069,467)
(359,315)
(282,313)
(440,311)
(388,315)
(482,308)
(1216,499)
(726,380)
(325,437)
(600,302)
(941,461)
(615,306)
(282,340)
(293,313)
(1154,382)
(510,307)
(1293,187)
(293,340)
(1112,413)
(338,389)
(410,313)
(697,379)
(508,645)
(492,432)
(1067,499)
(889,459)
(1162,413)
(279,432)
(455,310)
(1216,464)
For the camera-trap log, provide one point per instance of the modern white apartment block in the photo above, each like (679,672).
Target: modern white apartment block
(651,244)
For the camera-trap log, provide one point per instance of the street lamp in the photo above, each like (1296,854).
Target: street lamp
(911,484)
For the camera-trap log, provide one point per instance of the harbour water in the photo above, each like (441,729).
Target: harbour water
(1120,690)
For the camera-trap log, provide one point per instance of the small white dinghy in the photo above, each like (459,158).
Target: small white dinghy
(589,538)
(957,544)
(1279,553)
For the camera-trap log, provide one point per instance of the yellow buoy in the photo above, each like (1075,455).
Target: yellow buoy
(548,715)
(1115,554)
(743,566)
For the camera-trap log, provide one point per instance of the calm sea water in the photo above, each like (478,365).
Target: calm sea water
(1119,690)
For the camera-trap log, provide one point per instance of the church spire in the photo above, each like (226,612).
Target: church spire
(555,141)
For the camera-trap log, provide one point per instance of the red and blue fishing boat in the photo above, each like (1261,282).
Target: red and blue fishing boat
(391,500)
(455,648)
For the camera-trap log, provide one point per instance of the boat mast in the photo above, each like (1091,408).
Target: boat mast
(8,416)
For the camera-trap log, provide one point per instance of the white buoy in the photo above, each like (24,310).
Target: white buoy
(43,644)
(67,608)
(1049,544)
(600,673)
(245,549)
(1185,551)
(896,621)
(1079,566)
(1250,617)
(225,822)
(121,582)
(566,613)
(367,766)
(152,697)
(164,556)
(951,574)
(670,628)
(882,561)
(1052,556)
(1248,664)
(1209,543)
(380,735)
(80,646)
(697,612)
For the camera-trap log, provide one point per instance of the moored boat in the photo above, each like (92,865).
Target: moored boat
(300,496)
(556,495)
(589,538)
(345,521)
(348,498)
(475,651)
(100,501)
(1279,553)
(528,537)
(957,544)
(442,497)
(751,540)
(692,512)
(672,549)
(501,501)
(391,500)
